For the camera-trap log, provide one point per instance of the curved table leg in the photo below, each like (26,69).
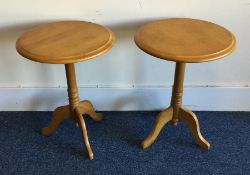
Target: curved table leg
(59,114)
(86,107)
(161,120)
(82,125)
(190,119)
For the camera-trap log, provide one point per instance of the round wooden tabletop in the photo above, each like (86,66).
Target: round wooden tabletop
(65,42)
(185,40)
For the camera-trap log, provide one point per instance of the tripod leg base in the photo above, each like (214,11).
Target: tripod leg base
(83,128)
(59,115)
(86,107)
(161,120)
(190,119)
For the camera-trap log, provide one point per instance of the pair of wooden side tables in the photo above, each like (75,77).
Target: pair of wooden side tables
(181,40)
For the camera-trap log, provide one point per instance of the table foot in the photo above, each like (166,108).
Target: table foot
(78,114)
(184,115)
(59,115)
(86,107)
(190,119)
(161,120)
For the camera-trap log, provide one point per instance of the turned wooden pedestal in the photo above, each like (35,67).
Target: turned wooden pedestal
(176,112)
(183,41)
(75,110)
(67,42)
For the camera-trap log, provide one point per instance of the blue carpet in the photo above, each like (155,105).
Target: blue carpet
(115,142)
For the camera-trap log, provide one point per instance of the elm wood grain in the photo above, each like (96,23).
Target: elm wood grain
(184,41)
(66,43)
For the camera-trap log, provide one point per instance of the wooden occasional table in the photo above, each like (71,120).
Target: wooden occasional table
(67,42)
(183,41)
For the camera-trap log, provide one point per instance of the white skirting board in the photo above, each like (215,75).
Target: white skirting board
(127,99)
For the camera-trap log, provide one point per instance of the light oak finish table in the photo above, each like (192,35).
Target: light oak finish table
(67,42)
(182,40)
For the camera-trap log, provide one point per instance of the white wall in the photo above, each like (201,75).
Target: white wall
(125,69)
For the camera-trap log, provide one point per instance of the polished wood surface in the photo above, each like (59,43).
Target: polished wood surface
(185,40)
(177,112)
(65,42)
